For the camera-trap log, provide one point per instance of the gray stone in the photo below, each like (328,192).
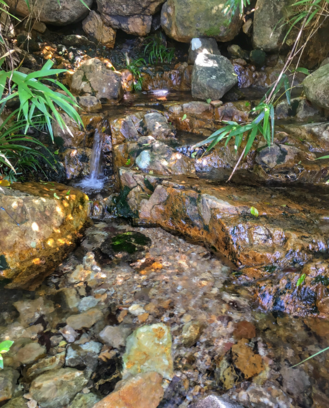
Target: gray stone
(8,379)
(30,353)
(94,77)
(191,333)
(84,320)
(128,7)
(213,76)
(69,333)
(74,40)
(216,402)
(187,19)
(136,25)
(163,159)
(236,51)
(84,355)
(198,45)
(316,87)
(115,336)
(84,401)
(46,364)
(31,310)
(306,110)
(89,103)
(68,299)
(94,27)
(157,125)
(268,32)
(87,303)
(57,388)
(324,62)
(50,11)
(19,402)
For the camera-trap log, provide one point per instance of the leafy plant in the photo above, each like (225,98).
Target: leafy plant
(157,51)
(35,97)
(15,148)
(134,67)
(4,348)
(231,6)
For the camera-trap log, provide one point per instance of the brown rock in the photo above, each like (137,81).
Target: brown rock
(249,363)
(40,230)
(141,391)
(94,26)
(244,330)
(84,320)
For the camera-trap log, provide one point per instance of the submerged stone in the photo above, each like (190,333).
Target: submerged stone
(57,388)
(84,401)
(142,391)
(149,349)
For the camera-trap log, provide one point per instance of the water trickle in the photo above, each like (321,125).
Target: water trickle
(96,180)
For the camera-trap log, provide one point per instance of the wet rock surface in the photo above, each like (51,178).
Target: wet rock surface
(38,229)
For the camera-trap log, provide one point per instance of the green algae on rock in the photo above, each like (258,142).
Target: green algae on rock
(148,349)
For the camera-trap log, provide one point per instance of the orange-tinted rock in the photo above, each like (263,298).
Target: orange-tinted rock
(178,79)
(141,391)
(249,363)
(287,228)
(38,229)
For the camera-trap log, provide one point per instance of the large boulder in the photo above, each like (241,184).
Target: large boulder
(93,77)
(187,19)
(269,23)
(316,87)
(286,230)
(133,17)
(213,76)
(128,7)
(50,11)
(94,26)
(39,224)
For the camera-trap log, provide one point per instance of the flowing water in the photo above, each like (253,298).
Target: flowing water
(96,180)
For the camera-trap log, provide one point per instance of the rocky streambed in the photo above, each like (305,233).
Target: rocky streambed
(141,302)
(162,285)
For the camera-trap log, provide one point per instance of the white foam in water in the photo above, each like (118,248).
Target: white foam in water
(95,181)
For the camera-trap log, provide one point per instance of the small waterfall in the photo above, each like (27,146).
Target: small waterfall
(95,181)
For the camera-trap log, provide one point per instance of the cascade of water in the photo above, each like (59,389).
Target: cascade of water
(95,180)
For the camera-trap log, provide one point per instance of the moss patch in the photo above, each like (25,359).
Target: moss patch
(130,242)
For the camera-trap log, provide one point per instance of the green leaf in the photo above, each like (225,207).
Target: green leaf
(57,152)
(56,196)
(208,100)
(128,162)
(184,117)
(68,193)
(303,71)
(254,211)
(301,280)
(5,346)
